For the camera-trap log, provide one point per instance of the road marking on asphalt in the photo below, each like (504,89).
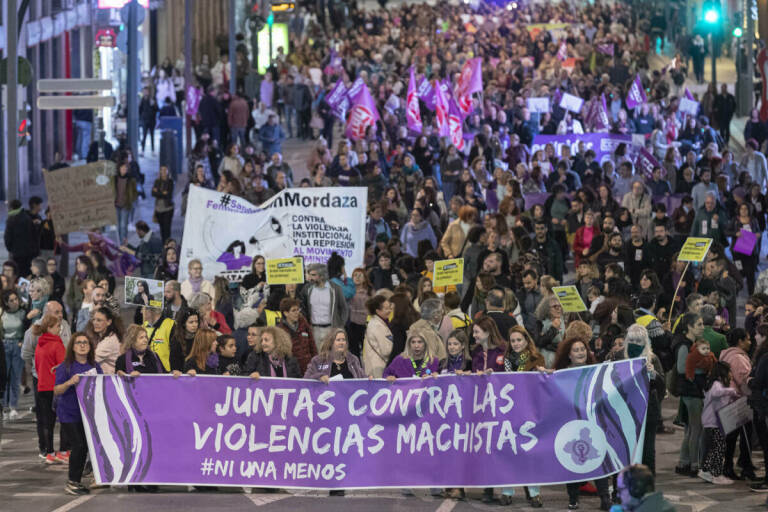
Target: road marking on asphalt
(446,506)
(73,504)
(35,494)
(265,499)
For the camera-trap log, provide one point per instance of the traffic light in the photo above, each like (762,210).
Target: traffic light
(256,19)
(738,32)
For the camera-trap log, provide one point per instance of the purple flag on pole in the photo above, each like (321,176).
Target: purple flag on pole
(412,111)
(645,162)
(441,111)
(337,99)
(510,429)
(605,48)
(562,52)
(471,78)
(362,114)
(194,96)
(426,93)
(455,121)
(602,121)
(689,94)
(636,94)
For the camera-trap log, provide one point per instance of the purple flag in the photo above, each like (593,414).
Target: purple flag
(636,94)
(562,52)
(471,78)
(441,111)
(645,162)
(337,99)
(455,121)
(605,48)
(602,121)
(689,94)
(412,111)
(194,95)
(510,429)
(363,112)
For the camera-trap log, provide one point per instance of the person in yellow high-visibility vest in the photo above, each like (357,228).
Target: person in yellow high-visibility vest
(159,333)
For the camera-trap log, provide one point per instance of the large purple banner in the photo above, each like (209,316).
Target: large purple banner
(452,431)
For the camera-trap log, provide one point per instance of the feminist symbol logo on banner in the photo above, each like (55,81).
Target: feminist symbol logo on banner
(457,134)
(580,446)
(359,119)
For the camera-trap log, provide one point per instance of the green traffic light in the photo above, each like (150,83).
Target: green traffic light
(738,32)
(711,16)
(270,19)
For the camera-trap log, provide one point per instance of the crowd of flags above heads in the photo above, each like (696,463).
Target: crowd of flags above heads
(356,106)
(453,104)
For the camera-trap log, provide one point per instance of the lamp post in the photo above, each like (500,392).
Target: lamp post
(712,18)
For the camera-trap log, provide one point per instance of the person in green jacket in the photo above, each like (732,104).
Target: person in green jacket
(711,221)
(717,341)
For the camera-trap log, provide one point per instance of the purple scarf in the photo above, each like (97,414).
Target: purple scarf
(196,283)
(213,360)
(273,361)
(173,268)
(81,275)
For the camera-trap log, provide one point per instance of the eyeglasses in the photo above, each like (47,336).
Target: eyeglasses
(82,342)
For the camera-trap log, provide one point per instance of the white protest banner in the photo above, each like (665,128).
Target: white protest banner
(538,105)
(689,106)
(226,232)
(571,102)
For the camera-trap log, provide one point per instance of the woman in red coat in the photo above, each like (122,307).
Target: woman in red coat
(584,236)
(49,353)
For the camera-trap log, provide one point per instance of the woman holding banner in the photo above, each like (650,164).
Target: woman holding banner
(522,356)
(79,358)
(203,358)
(415,361)
(272,357)
(572,353)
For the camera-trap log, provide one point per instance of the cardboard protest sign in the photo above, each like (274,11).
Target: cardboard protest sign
(694,249)
(144,292)
(285,270)
(569,299)
(81,198)
(448,272)
(571,102)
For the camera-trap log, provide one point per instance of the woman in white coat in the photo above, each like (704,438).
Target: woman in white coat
(377,344)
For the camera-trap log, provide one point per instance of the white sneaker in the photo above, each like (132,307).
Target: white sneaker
(721,480)
(14,414)
(705,475)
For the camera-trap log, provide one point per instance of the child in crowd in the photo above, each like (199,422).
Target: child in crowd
(718,395)
(700,360)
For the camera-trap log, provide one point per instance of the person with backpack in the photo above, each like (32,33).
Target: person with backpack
(455,318)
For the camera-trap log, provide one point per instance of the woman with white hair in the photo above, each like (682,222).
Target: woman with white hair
(638,344)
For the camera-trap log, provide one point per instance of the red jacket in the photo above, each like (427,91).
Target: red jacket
(49,354)
(302,342)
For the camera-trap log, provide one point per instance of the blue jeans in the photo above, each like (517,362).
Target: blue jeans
(290,115)
(123,216)
(15,365)
(83,138)
(238,135)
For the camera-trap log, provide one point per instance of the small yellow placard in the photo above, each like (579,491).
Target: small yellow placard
(569,299)
(694,249)
(285,271)
(448,272)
